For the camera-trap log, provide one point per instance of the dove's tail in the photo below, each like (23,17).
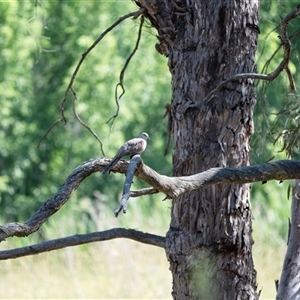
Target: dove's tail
(110,165)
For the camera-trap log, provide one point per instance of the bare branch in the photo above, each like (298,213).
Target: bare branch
(84,55)
(83,124)
(63,119)
(79,239)
(122,73)
(143,192)
(52,205)
(282,66)
(48,130)
(171,186)
(175,186)
(236,77)
(267,63)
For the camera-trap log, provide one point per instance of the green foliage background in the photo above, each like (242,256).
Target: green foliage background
(40,44)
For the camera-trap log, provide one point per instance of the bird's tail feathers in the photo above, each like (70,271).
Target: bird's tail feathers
(110,165)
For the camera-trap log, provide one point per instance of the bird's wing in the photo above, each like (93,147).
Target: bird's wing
(136,146)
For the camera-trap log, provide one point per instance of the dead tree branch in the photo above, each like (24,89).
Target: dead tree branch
(122,73)
(171,186)
(134,14)
(143,192)
(63,119)
(79,239)
(82,123)
(48,130)
(284,65)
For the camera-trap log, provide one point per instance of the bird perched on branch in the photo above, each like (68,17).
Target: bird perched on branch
(131,147)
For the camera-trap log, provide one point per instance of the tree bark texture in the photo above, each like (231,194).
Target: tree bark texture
(289,284)
(209,241)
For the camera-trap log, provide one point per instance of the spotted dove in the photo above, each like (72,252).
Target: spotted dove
(131,147)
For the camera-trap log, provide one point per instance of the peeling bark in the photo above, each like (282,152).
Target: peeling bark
(173,187)
(289,284)
(209,241)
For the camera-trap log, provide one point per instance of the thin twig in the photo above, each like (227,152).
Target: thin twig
(267,63)
(266,39)
(143,192)
(63,119)
(83,124)
(83,56)
(48,130)
(282,66)
(241,76)
(122,73)
(291,78)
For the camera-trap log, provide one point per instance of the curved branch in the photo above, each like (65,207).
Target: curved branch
(83,56)
(63,119)
(52,205)
(143,192)
(171,186)
(122,73)
(282,66)
(83,124)
(79,239)
(176,186)
(48,130)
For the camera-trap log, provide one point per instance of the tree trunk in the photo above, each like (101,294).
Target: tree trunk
(289,284)
(209,243)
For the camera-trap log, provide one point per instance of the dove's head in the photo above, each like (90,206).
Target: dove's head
(144,136)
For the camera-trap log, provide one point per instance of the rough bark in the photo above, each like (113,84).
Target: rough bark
(170,186)
(289,284)
(79,239)
(209,241)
